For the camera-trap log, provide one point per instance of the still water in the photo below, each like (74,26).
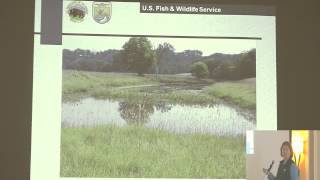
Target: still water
(217,119)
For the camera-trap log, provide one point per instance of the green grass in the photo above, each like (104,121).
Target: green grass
(132,151)
(180,97)
(176,79)
(75,81)
(243,94)
(79,84)
(184,97)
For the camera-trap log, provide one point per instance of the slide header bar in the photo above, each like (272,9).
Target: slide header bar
(181,8)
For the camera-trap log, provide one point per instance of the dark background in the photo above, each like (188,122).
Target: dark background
(298,51)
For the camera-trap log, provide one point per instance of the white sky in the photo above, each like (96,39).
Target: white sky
(207,46)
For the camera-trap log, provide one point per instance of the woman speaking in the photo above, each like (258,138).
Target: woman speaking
(287,169)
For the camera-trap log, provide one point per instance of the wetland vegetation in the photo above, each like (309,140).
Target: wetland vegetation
(151,115)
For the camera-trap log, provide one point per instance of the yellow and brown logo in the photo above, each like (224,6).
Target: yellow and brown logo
(77,10)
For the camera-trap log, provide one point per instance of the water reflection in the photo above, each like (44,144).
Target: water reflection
(218,119)
(136,113)
(163,107)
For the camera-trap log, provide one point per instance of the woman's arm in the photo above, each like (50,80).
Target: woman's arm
(294,172)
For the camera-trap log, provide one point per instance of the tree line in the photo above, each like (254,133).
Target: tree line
(138,56)
(243,66)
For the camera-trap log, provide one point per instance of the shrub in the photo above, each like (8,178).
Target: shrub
(200,70)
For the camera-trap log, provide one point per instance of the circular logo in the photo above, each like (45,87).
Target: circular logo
(101,12)
(77,11)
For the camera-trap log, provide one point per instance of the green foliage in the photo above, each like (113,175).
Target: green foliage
(163,48)
(87,60)
(165,53)
(200,70)
(139,152)
(244,66)
(137,55)
(171,62)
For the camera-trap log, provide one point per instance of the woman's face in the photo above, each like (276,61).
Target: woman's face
(286,152)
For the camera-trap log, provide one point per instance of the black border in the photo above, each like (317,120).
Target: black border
(298,74)
(157,36)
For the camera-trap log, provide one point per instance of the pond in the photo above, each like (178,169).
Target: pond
(217,119)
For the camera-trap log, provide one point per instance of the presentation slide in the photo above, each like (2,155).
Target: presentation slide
(150,90)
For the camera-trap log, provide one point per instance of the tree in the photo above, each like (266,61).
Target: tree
(165,53)
(235,67)
(171,62)
(200,70)
(165,47)
(193,53)
(225,71)
(137,55)
(247,64)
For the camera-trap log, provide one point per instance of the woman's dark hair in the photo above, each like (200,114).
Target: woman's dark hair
(287,143)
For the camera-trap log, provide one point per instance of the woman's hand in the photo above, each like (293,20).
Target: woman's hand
(266,171)
(269,174)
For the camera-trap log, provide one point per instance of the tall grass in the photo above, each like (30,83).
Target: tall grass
(243,94)
(180,97)
(132,151)
(81,83)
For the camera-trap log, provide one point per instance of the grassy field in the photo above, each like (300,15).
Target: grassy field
(131,151)
(77,84)
(243,94)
